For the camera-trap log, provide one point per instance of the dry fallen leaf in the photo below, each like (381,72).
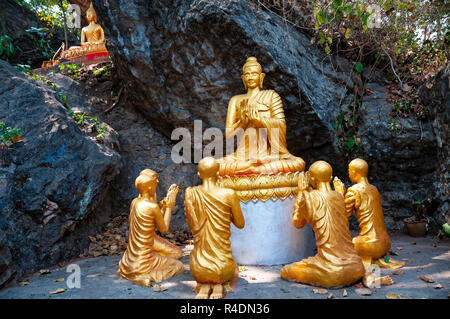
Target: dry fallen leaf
(62,265)
(393,253)
(399,248)
(24,283)
(363,292)
(58,291)
(320,291)
(394,296)
(344,293)
(159,288)
(426,279)
(398,272)
(59,280)
(438,286)
(92,239)
(44,271)
(330,296)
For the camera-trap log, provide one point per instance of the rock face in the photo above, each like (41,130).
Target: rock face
(135,138)
(53,183)
(402,161)
(181,61)
(435,93)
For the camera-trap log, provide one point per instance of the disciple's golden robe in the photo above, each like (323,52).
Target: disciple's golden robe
(336,262)
(373,239)
(269,147)
(142,262)
(209,218)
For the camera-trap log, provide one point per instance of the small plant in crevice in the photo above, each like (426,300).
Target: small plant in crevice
(393,124)
(9,135)
(346,131)
(40,38)
(7,49)
(72,69)
(85,120)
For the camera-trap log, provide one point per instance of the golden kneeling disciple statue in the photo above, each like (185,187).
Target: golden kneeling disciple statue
(364,201)
(148,257)
(258,151)
(210,210)
(336,262)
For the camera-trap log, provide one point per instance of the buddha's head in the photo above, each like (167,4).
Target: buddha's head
(146,182)
(252,75)
(320,172)
(356,169)
(91,15)
(208,167)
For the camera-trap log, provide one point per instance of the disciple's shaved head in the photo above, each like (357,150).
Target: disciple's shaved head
(149,172)
(143,183)
(359,166)
(208,167)
(321,171)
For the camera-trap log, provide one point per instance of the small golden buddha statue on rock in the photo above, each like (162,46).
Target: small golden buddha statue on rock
(148,257)
(259,116)
(364,201)
(92,33)
(210,210)
(336,262)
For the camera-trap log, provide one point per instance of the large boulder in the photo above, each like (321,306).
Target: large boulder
(140,145)
(54,182)
(181,61)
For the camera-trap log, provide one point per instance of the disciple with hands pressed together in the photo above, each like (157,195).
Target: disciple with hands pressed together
(148,257)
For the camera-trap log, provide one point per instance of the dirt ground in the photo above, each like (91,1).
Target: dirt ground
(427,259)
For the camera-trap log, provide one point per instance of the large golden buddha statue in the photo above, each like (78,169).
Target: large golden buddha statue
(336,262)
(258,117)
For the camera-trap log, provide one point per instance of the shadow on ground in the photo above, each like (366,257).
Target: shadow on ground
(99,278)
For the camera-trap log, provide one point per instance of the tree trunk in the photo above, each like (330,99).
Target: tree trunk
(65,23)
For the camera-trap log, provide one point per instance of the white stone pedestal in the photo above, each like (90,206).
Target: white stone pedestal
(269,238)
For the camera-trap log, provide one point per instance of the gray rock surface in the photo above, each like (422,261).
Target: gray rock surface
(53,183)
(435,93)
(402,161)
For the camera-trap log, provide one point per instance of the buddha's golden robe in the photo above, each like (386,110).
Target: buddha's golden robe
(143,261)
(269,147)
(93,34)
(373,239)
(336,262)
(209,218)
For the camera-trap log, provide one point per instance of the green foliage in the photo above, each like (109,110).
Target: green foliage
(102,71)
(7,134)
(83,119)
(22,67)
(48,11)
(40,38)
(345,129)
(7,50)
(72,69)
(393,124)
